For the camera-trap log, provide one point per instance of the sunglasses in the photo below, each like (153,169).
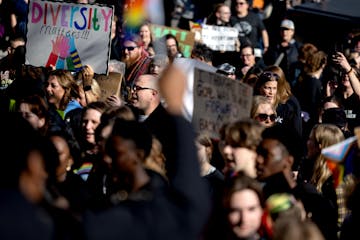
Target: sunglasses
(131,48)
(263,117)
(270,76)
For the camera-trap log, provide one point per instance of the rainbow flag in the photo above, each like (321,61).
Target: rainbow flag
(339,158)
(139,11)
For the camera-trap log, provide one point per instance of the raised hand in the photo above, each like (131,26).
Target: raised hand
(64,48)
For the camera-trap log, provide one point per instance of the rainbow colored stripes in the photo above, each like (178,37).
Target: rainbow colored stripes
(84,170)
(339,159)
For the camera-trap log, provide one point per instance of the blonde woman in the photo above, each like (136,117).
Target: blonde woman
(314,168)
(263,111)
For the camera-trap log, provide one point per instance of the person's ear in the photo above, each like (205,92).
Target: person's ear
(208,152)
(140,154)
(217,14)
(289,161)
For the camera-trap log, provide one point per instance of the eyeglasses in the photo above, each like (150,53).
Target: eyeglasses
(270,75)
(131,48)
(137,88)
(240,3)
(263,117)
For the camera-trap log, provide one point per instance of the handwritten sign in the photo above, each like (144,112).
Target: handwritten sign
(219,38)
(218,100)
(110,84)
(68,35)
(185,38)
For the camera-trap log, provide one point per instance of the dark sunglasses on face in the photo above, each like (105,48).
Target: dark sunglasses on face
(263,117)
(131,48)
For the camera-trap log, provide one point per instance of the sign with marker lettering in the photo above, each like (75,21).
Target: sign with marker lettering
(218,100)
(219,38)
(68,35)
(185,38)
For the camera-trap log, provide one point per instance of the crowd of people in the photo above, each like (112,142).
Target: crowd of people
(77,165)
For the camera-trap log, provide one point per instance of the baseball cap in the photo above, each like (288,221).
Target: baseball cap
(287,24)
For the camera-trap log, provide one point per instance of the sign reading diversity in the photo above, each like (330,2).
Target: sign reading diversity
(218,100)
(219,38)
(69,36)
(185,38)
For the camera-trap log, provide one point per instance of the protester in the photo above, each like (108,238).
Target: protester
(90,120)
(241,140)
(146,37)
(136,151)
(285,52)
(251,28)
(249,63)
(23,180)
(349,90)
(136,59)
(244,204)
(146,100)
(173,48)
(213,177)
(158,63)
(220,16)
(308,89)
(263,111)
(183,208)
(274,169)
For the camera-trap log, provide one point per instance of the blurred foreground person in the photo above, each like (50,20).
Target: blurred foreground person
(23,177)
(153,211)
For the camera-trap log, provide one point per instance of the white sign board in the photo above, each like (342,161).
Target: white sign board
(218,100)
(68,35)
(219,38)
(188,65)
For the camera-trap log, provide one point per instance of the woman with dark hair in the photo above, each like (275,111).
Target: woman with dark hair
(243,202)
(172,46)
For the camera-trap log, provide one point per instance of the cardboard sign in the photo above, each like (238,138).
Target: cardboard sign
(109,84)
(219,38)
(188,65)
(185,38)
(68,35)
(218,100)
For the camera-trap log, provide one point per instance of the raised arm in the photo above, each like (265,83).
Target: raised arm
(346,67)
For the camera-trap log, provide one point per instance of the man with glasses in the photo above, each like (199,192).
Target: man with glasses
(145,98)
(250,26)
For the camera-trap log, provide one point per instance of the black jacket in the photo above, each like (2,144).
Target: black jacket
(179,212)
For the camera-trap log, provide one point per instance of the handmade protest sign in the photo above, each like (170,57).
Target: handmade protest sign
(110,84)
(219,38)
(218,100)
(68,35)
(185,38)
